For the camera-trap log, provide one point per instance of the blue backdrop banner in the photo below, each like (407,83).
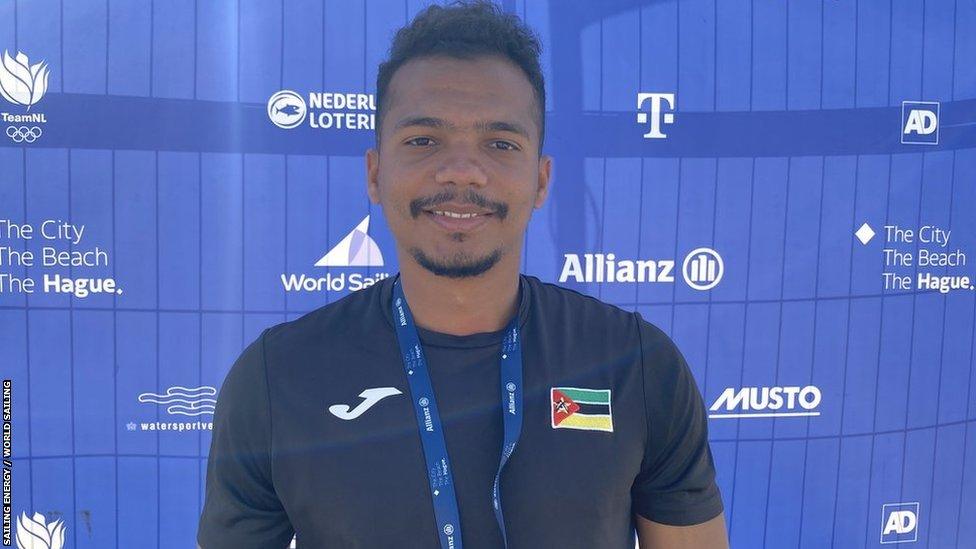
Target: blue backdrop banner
(786,188)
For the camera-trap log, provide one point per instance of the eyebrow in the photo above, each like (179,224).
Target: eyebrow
(483,126)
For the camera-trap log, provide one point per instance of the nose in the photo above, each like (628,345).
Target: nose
(461,168)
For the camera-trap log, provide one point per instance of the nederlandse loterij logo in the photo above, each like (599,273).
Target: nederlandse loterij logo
(920,122)
(656,117)
(185,401)
(287,109)
(36,533)
(356,249)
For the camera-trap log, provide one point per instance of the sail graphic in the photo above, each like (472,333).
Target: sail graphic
(356,249)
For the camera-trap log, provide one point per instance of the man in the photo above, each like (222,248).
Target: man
(461,403)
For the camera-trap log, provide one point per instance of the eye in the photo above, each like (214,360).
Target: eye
(505,145)
(419,141)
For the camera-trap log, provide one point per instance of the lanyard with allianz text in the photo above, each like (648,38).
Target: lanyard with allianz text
(446,513)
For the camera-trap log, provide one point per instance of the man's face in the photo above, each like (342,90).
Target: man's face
(459,137)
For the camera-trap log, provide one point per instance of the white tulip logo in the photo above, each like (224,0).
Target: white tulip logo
(20,82)
(36,533)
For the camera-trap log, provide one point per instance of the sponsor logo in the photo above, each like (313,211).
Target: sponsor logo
(356,249)
(657,117)
(370,398)
(702,269)
(186,401)
(179,401)
(36,533)
(24,85)
(287,109)
(428,420)
(755,402)
(920,122)
(899,522)
(578,408)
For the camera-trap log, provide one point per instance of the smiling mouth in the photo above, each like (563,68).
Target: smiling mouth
(455,221)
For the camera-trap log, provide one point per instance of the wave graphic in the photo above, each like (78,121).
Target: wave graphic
(186,401)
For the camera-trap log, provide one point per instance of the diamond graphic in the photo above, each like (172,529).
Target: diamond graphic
(865,233)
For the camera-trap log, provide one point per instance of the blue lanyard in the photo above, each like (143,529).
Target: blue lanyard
(446,513)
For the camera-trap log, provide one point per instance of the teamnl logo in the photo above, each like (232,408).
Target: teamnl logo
(287,109)
(920,122)
(899,522)
(356,249)
(759,402)
(24,85)
(656,103)
(702,269)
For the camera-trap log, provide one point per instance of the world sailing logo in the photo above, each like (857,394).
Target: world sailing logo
(356,249)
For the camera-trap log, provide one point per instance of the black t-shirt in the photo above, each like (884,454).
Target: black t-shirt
(613,425)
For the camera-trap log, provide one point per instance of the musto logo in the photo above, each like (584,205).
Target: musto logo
(755,402)
(356,249)
(24,85)
(323,110)
(702,269)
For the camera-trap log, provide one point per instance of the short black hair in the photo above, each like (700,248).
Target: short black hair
(465,30)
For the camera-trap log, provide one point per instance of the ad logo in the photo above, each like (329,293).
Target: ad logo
(920,122)
(35,533)
(287,109)
(656,118)
(899,522)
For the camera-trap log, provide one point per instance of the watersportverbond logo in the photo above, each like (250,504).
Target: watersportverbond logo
(356,249)
(287,109)
(755,402)
(24,85)
(702,269)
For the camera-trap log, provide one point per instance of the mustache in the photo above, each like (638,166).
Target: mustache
(418,205)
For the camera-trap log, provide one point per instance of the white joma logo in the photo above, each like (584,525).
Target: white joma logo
(369,396)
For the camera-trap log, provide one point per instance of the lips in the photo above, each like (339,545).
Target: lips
(452,220)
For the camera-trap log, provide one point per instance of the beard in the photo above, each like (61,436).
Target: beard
(460,265)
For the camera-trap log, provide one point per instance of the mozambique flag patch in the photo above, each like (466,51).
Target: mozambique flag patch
(576,408)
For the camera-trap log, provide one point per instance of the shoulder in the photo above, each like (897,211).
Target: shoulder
(561,303)
(357,313)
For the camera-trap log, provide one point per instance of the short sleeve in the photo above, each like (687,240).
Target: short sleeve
(241,509)
(676,484)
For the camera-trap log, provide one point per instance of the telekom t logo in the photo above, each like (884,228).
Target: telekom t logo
(656,118)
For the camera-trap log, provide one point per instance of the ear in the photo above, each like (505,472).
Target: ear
(372,175)
(545,175)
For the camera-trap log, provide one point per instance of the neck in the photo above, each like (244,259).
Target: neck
(461,306)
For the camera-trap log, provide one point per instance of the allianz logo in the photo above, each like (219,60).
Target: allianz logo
(702,269)
(756,402)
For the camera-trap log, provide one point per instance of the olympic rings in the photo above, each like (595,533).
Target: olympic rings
(23,133)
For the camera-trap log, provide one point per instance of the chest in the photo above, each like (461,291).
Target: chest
(357,477)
